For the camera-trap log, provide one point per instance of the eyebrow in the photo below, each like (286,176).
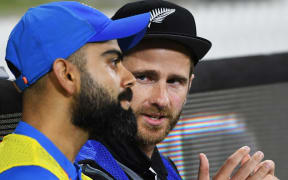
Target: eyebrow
(113,52)
(154,74)
(151,73)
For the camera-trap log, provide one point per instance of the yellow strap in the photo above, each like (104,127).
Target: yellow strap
(84,177)
(19,150)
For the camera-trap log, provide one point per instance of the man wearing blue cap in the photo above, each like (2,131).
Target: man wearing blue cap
(67,62)
(163,64)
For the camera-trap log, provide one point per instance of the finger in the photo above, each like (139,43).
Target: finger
(264,163)
(270,177)
(258,166)
(245,159)
(231,163)
(203,173)
(263,170)
(249,167)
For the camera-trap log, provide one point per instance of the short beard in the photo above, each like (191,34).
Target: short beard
(97,112)
(156,134)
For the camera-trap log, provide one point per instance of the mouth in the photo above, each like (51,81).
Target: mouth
(154,119)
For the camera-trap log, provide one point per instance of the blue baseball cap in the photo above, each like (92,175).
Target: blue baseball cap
(57,30)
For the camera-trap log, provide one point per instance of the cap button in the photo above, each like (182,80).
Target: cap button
(25,80)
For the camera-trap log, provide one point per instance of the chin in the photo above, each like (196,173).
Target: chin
(151,136)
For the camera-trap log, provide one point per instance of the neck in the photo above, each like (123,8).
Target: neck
(148,149)
(55,123)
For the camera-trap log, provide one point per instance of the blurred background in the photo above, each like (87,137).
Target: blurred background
(236,27)
(239,96)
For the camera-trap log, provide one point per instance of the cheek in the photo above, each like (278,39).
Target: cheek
(177,101)
(140,97)
(112,80)
(109,81)
(113,76)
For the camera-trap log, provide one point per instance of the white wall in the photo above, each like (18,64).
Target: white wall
(6,25)
(237,30)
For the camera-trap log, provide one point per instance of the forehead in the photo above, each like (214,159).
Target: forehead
(98,48)
(162,56)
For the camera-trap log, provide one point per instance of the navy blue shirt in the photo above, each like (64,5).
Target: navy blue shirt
(33,172)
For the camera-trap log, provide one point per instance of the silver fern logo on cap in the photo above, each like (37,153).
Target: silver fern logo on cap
(158,15)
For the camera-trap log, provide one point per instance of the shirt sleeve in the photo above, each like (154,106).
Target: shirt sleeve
(27,173)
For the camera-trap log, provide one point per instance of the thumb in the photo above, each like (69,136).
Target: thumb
(203,173)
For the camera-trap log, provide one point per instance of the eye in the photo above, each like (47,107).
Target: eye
(176,82)
(114,62)
(173,81)
(143,79)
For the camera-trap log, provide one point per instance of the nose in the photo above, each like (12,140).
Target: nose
(128,80)
(160,96)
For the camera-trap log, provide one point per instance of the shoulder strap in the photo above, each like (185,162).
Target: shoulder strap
(97,152)
(131,173)
(172,174)
(19,150)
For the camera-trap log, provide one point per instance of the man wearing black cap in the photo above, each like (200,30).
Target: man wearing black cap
(163,65)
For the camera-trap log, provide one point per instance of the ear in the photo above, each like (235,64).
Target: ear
(67,75)
(189,86)
(190,81)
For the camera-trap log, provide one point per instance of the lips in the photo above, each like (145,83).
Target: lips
(154,119)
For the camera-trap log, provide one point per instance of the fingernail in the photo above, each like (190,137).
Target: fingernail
(259,154)
(267,165)
(246,148)
(202,154)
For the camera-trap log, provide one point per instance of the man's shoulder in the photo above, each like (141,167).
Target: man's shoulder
(169,162)
(27,173)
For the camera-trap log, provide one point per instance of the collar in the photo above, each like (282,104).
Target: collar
(157,164)
(72,170)
(129,154)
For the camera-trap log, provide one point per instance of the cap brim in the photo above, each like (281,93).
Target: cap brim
(197,45)
(130,30)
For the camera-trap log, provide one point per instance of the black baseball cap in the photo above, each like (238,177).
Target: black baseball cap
(169,21)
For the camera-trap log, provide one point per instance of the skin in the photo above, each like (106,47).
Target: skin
(251,167)
(161,69)
(157,74)
(49,110)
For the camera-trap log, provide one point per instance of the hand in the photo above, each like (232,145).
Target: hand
(251,167)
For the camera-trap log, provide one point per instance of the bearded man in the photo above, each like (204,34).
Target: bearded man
(163,65)
(67,62)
